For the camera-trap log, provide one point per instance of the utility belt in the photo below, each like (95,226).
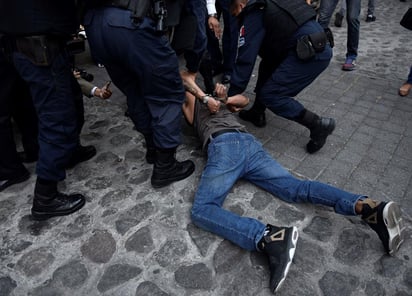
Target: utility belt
(41,49)
(155,9)
(308,45)
(224,131)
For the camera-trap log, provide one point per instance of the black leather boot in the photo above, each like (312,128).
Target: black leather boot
(168,170)
(320,128)
(48,202)
(150,148)
(82,153)
(279,244)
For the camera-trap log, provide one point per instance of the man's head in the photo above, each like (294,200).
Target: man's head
(237,6)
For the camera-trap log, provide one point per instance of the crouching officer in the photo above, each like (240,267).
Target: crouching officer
(35,34)
(128,37)
(294,51)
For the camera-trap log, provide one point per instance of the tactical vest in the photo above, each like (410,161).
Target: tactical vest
(281,20)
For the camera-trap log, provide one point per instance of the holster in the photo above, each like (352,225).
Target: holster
(308,45)
(40,50)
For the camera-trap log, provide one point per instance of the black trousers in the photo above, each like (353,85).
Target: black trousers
(13,93)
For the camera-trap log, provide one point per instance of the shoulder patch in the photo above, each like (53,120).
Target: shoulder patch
(241,36)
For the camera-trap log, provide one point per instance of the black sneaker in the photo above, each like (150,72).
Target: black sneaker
(258,119)
(279,243)
(370,18)
(338,20)
(385,218)
(318,134)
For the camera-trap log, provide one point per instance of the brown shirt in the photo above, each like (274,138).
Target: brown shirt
(206,123)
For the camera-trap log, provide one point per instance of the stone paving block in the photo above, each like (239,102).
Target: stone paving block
(130,239)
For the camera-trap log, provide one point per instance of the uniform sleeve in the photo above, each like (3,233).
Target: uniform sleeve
(251,36)
(211,6)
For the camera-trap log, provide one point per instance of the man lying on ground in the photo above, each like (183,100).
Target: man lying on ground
(234,154)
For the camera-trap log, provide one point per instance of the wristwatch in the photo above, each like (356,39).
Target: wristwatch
(205,99)
(213,15)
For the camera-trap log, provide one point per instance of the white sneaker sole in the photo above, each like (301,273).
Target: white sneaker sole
(295,236)
(392,217)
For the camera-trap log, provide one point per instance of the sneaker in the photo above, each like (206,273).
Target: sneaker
(279,243)
(338,20)
(258,119)
(385,218)
(349,65)
(318,134)
(370,18)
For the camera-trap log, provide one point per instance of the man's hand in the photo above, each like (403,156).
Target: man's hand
(214,25)
(104,92)
(237,103)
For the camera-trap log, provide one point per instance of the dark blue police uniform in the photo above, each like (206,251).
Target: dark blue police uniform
(35,39)
(143,66)
(273,29)
(285,81)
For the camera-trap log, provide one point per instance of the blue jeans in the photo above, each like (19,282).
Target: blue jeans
(234,156)
(353,8)
(144,67)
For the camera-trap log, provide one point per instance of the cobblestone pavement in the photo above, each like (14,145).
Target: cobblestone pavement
(131,239)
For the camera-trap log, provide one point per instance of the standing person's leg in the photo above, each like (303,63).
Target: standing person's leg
(149,76)
(53,96)
(24,114)
(370,15)
(288,80)
(352,17)
(326,9)
(12,170)
(229,41)
(81,153)
(341,14)
(194,56)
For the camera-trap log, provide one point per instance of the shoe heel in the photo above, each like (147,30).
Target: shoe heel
(392,217)
(292,249)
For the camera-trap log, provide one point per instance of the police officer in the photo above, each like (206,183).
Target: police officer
(129,38)
(294,51)
(35,35)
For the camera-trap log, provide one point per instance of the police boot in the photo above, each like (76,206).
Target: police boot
(279,244)
(320,128)
(48,202)
(168,170)
(255,115)
(150,148)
